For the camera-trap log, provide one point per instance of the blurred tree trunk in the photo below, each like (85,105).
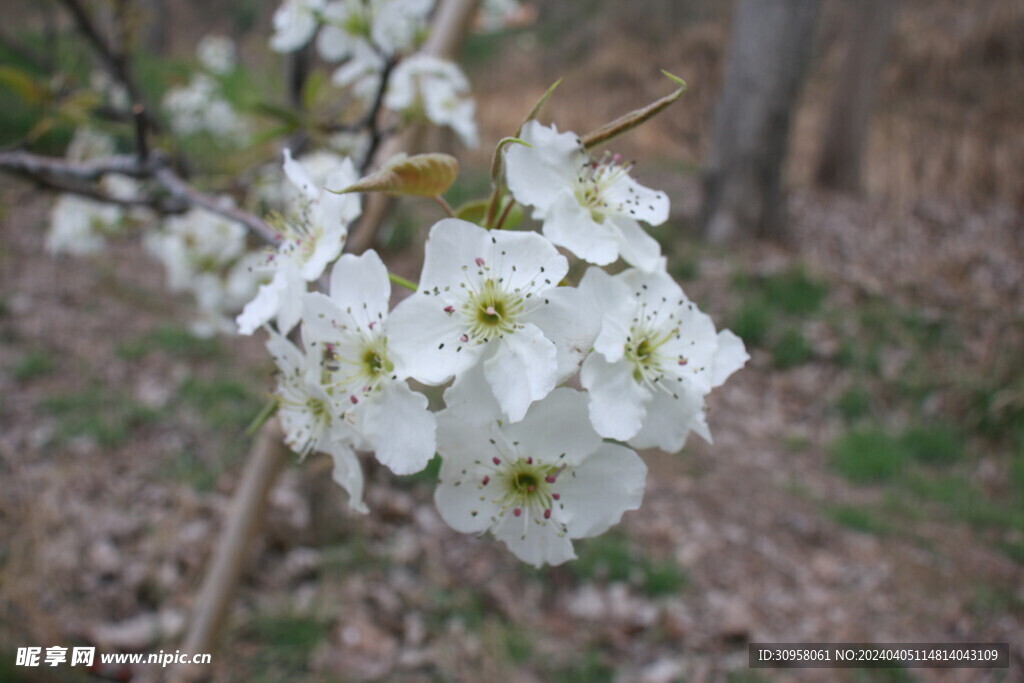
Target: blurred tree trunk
(157,25)
(869,24)
(770,45)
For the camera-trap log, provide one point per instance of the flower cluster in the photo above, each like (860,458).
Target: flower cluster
(205,255)
(80,225)
(199,107)
(537,373)
(364,37)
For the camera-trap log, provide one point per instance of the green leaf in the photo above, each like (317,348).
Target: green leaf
(634,118)
(273,134)
(535,112)
(22,84)
(313,88)
(421,175)
(276,111)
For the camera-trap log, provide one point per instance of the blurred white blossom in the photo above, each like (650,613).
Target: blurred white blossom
(217,54)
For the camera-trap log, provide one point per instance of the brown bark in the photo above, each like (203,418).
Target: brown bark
(770,45)
(868,27)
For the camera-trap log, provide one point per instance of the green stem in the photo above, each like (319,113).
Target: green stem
(399,280)
(492,206)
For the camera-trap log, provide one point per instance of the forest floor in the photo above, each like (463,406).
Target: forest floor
(866,481)
(863,484)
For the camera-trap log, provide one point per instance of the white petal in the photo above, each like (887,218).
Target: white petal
(299,177)
(533,543)
(322,320)
(451,245)
(538,174)
(400,427)
(463,440)
(340,209)
(617,401)
(572,322)
(607,484)
(294,25)
(286,355)
(425,342)
(636,247)
(570,225)
(463,502)
(730,357)
(290,301)
(670,420)
(348,473)
(613,298)
(360,285)
(638,202)
(328,247)
(333,43)
(471,398)
(525,260)
(555,427)
(522,370)
(260,310)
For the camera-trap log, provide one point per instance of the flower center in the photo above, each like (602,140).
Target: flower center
(594,180)
(298,233)
(642,350)
(360,369)
(525,485)
(317,409)
(491,311)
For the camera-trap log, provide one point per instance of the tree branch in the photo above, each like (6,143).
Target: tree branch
(74,176)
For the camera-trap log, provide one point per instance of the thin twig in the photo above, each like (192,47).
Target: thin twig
(72,175)
(447,28)
(371,120)
(141,145)
(114,61)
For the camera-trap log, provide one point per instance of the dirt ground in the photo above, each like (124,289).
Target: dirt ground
(121,437)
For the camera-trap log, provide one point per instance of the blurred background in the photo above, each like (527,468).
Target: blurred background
(846,196)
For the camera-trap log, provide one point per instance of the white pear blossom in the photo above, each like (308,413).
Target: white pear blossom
(80,226)
(437,89)
(398,25)
(347,23)
(312,236)
(199,107)
(308,414)
(112,91)
(295,22)
(217,54)
(193,243)
(492,298)
(88,143)
(351,330)
(388,26)
(590,207)
(361,73)
(655,360)
(496,15)
(536,484)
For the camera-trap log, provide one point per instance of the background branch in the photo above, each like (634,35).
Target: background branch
(115,60)
(74,176)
